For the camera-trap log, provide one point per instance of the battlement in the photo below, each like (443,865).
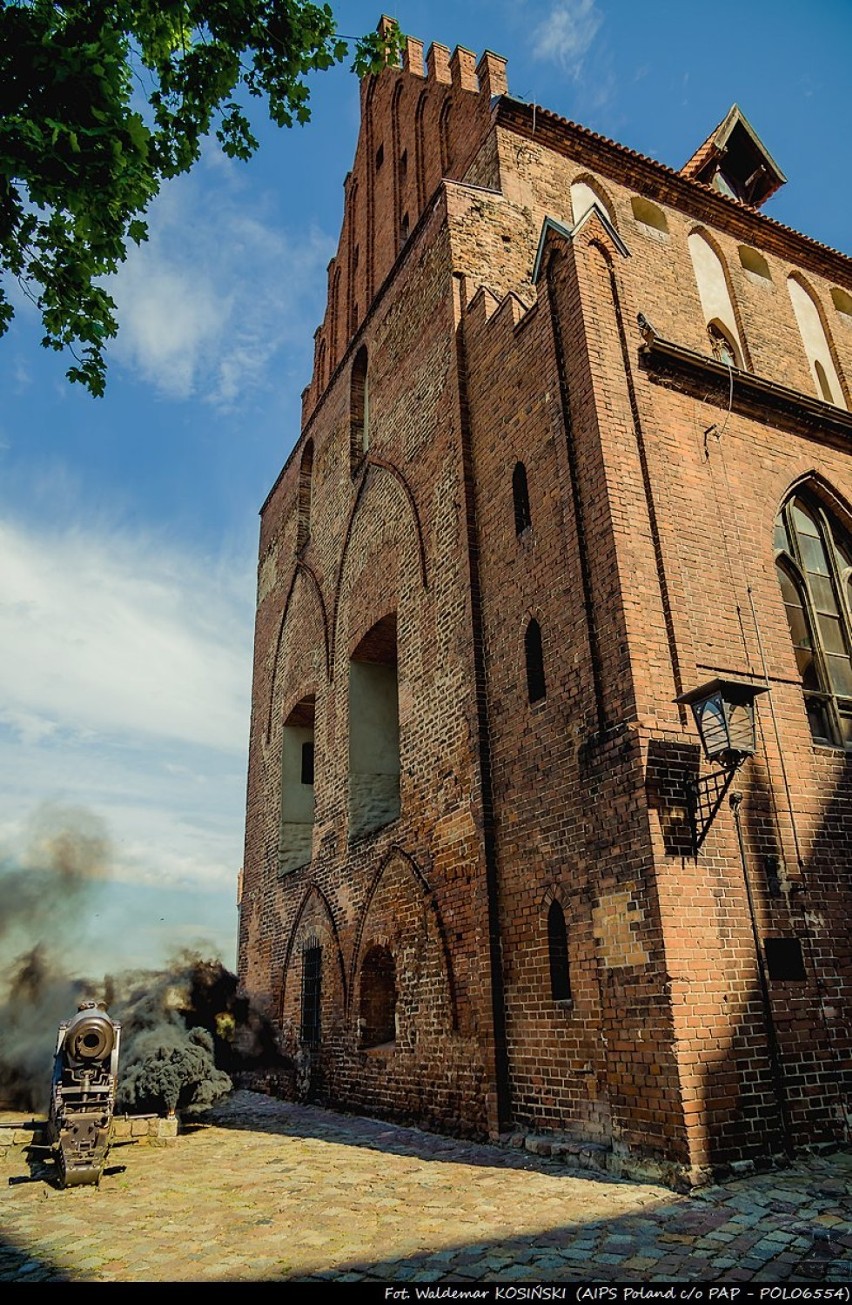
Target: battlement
(422,121)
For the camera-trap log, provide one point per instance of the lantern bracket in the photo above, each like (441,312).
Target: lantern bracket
(704,796)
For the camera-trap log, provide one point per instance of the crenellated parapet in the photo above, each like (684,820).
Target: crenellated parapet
(420,124)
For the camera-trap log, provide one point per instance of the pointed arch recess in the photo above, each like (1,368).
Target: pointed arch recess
(444,136)
(554,233)
(420,151)
(371,193)
(739,330)
(313,891)
(804,284)
(589,182)
(556,892)
(371,464)
(396,853)
(396,140)
(301,568)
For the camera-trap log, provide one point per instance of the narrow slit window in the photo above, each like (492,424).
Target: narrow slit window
(311,994)
(521,497)
(535,662)
(557,945)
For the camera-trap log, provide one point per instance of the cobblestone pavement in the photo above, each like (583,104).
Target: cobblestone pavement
(271,1190)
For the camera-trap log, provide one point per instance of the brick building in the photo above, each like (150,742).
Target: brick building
(576,443)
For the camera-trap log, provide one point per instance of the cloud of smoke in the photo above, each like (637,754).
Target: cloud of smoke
(47,889)
(183,1027)
(168,1051)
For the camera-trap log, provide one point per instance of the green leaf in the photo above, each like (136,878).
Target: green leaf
(79,164)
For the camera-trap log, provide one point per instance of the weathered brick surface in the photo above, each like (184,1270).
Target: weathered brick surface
(648,565)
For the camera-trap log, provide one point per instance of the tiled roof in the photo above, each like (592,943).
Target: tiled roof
(665,172)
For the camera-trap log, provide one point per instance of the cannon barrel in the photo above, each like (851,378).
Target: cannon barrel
(89,1036)
(82,1098)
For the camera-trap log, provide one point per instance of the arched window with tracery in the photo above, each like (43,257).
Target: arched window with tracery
(444,136)
(813,556)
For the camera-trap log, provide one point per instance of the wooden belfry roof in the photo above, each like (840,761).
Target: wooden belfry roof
(735,149)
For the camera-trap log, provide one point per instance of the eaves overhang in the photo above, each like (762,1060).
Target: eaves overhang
(754,395)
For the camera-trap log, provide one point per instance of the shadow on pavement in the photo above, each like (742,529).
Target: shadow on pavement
(252,1112)
(17,1265)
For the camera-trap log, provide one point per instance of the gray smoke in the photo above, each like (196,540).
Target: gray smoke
(176,1022)
(167,1059)
(46,891)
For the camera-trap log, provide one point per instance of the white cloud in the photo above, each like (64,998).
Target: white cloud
(206,304)
(126,695)
(122,638)
(566,33)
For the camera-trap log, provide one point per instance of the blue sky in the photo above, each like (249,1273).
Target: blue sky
(129,524)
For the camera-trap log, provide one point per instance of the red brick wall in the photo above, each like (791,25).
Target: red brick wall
(649,568)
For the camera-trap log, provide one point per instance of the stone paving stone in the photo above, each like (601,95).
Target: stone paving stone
(265,1190)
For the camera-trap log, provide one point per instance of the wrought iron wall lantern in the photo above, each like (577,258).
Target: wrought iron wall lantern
(724,715)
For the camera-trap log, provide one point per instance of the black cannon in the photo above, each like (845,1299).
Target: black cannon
(82,1095)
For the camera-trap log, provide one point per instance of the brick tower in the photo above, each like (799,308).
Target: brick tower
(576,444)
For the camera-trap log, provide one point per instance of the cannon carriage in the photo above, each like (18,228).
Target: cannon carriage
(82,1096)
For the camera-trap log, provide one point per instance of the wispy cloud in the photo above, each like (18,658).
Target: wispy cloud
(122,637)
(565,34)
(126,693)
(216,292)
